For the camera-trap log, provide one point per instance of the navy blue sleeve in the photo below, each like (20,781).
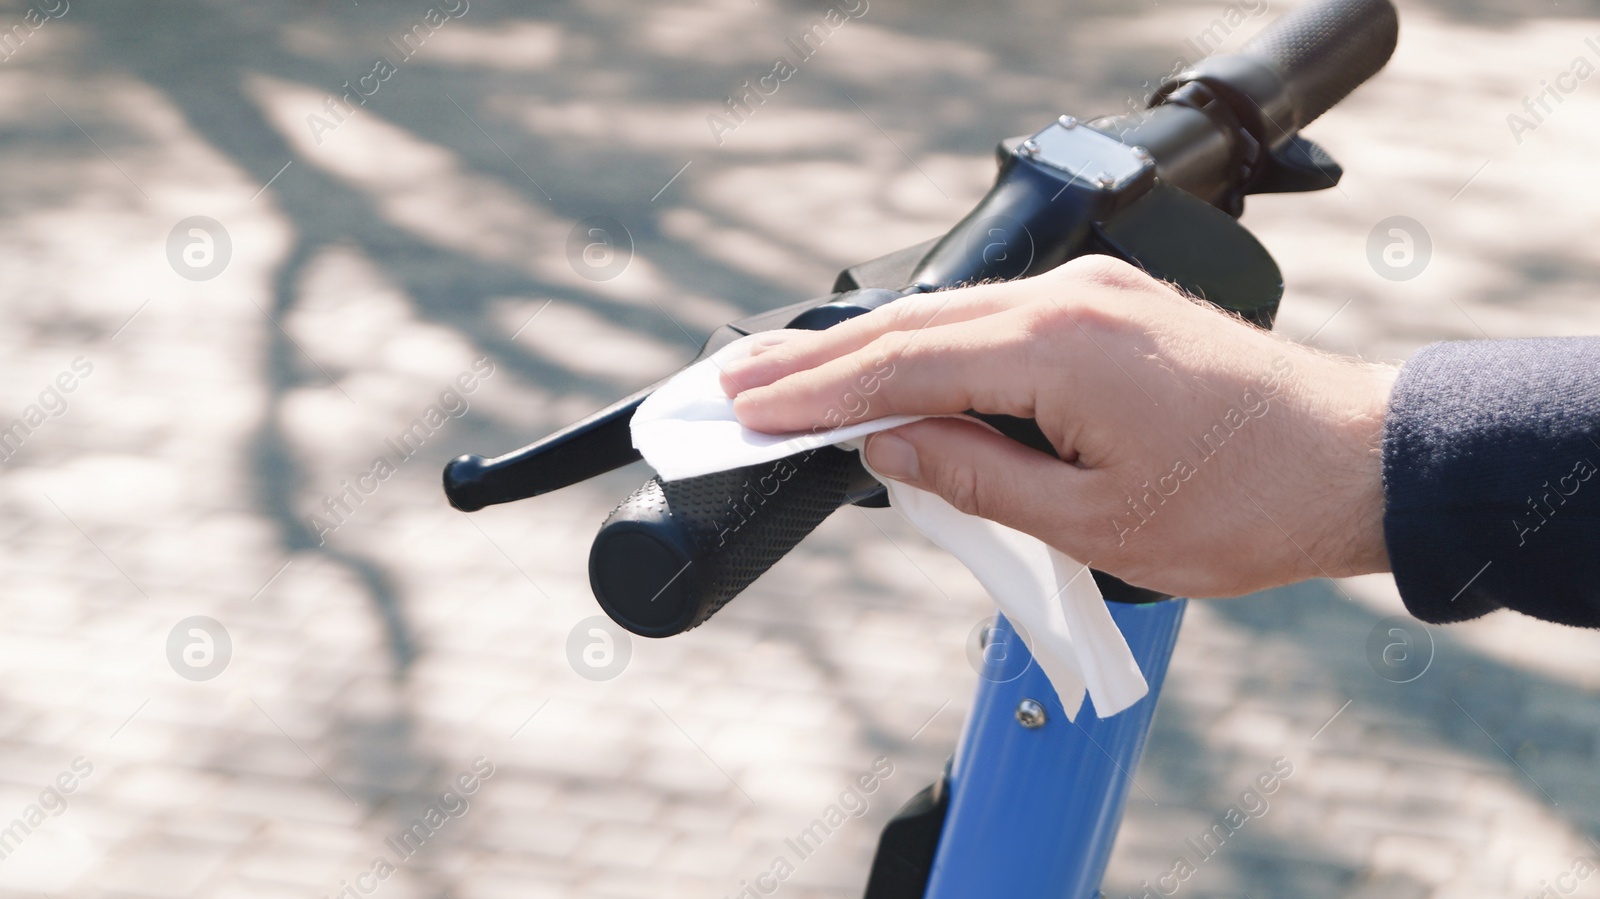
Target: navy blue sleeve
(1490,450)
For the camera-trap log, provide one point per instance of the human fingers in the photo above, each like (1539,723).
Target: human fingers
(980,364)
(785,352)
(983,473)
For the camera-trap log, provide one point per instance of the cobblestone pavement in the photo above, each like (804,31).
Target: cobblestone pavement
(383,652)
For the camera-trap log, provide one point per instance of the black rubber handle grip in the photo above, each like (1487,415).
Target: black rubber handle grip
(1327,49)
(672,554)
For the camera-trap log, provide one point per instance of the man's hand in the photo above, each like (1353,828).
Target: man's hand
(1195,454)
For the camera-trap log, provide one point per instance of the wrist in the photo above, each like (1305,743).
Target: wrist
(1355,544)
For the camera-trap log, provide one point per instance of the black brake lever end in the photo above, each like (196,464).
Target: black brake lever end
(464,482)
(598,444)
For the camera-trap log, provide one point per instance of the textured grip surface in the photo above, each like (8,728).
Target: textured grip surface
(672,554)
(1327,49)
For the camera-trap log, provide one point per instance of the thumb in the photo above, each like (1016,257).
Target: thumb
(983,473)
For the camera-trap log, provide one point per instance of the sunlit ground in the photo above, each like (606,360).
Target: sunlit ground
(377,257)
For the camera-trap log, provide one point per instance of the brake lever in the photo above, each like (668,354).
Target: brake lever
(603,442)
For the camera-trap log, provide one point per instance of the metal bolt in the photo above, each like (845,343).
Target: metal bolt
(1030,147)
(1104,181)
(1030,714)
(1068,121)
(1141,154)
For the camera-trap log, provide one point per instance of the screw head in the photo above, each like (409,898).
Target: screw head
(1030,714)
(1030,147)
(1141,154)
(1104,181)
(1067,121)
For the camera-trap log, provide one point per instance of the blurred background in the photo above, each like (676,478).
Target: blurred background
(222,674)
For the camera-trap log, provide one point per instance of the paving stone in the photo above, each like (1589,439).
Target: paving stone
(400,246)
(176,868)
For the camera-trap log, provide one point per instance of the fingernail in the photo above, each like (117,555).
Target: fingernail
(733,380)
(766,340)
(893,457)
(742,409)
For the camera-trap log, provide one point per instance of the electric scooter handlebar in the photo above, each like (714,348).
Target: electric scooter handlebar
(1160,188)
(1326,50)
